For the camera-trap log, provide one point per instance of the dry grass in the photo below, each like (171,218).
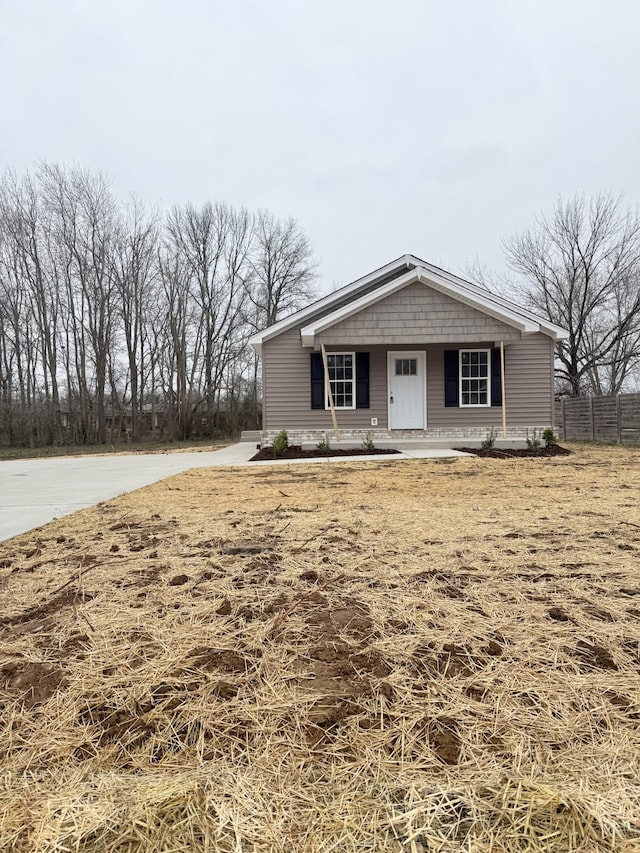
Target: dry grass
(384,656)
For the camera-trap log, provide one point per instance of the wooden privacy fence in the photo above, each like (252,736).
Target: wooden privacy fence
(615,417)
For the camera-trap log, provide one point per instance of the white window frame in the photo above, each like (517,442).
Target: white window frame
(460,377)
(352,380)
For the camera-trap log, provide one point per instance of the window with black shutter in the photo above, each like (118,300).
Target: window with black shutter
(472,378)
(349,378)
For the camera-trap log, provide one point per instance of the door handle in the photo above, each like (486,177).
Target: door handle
(391,399)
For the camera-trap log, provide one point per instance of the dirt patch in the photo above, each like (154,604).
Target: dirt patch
(445,740)
(451,661)
(594,656)
(58,601)
(115,724)
(223,660)
(558,614)
(34,682)
(348,618)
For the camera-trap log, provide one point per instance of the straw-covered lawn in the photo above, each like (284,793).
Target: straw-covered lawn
(389,656)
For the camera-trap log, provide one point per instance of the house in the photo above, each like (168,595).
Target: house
(408,350)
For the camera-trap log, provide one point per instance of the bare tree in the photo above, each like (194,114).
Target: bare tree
(210,249)
(581,269)
(85,215)
(106,310)
(135,277)
(283,272)
(283,269)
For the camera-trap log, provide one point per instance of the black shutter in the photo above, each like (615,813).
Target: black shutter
(317,381)
(496,378)
(362,380)
(451,377)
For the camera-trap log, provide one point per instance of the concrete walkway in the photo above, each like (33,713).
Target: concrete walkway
(35,491)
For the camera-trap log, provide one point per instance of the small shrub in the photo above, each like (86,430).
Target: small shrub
(490,440)
(280,443)
(367,443)
(324,445)
(534,441)
(549,436)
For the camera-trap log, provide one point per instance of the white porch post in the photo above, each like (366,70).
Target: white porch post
(329,393)
(502,385)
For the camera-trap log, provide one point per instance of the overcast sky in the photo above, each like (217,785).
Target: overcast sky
(424,126)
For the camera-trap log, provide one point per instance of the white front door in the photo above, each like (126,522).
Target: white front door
(407,387)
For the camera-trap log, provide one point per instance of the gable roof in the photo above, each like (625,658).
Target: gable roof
(366,291)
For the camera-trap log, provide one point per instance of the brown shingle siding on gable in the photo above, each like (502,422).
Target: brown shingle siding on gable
(417,315)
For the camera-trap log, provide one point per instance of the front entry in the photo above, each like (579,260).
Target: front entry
(406,384)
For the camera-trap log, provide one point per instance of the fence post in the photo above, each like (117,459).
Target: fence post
(593,426)
(619,418)
(564,421)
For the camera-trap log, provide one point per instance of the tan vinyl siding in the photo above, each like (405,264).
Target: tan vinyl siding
(287,397)
(528,387)
(417,314)
(287,403)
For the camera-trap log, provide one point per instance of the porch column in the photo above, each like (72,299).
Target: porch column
(327,382)
(502,386)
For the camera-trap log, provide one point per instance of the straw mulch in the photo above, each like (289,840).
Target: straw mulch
(383,656)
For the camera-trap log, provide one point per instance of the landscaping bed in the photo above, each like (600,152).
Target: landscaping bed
(516,452)
(296,452)
(442,655)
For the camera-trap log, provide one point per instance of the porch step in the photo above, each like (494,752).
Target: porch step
(252,435)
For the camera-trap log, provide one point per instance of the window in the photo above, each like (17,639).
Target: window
(474,378)
(341,366)
(406,366)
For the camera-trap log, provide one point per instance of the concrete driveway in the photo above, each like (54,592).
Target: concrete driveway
(35,491)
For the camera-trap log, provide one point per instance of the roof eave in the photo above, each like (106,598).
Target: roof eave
(417,270)
(294,319)
(346,311)
(478,301)
(429,278)
(555,332)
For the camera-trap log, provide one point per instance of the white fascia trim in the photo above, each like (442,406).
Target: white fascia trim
(430,279)
(555,332)
(482,299)
(309,332)
(482,302)
(259,338)
(545,326)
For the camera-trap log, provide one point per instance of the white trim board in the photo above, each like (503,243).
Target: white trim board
(416,270)
(428,279)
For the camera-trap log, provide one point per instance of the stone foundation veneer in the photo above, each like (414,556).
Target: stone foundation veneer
(297,436)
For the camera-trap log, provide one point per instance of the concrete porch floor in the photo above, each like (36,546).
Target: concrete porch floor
(408,445)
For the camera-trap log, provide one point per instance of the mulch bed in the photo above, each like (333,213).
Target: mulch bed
(495,453)
(296,452)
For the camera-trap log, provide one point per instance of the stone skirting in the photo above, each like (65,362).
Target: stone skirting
(457,436)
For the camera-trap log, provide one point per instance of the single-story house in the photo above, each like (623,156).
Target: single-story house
(408,350)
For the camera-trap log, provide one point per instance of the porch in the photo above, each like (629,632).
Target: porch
(407,439)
